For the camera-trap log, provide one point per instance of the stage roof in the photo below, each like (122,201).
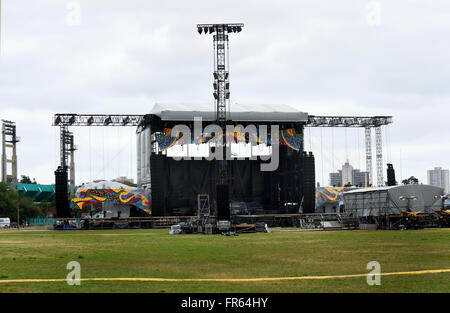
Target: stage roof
(239,112)
(105,184)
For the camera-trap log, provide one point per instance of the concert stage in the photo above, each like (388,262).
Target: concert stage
(174,185)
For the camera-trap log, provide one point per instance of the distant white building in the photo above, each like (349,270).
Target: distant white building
(349,175)
(439,177)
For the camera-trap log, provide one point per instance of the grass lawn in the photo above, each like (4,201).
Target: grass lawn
(155,253)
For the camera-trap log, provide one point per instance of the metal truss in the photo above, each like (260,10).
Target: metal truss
(68,149)
(9,140)
(68,119)
(221,75)
(67,144)
(367,123)
(368,132)
(348,121)
(379,156)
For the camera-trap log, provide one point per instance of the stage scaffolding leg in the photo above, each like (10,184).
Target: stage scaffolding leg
(379,154)
(369,155)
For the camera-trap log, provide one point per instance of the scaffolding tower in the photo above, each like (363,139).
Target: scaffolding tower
(9,140)
(67,151)
(368,137)
(367,122)
(221,77)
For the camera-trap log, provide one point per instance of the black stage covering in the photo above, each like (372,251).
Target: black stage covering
(176,184)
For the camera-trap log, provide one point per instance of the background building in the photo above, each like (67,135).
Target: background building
(439,177)
(360,179)
(349,175)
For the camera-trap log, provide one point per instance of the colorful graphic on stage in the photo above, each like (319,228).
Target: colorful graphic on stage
(288,137)
(86,197)
(165,140)
(291,139)
(330,194)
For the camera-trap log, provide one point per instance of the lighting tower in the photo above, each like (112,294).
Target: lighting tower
(222,98)
(221,76)
(68,149)
(9,140)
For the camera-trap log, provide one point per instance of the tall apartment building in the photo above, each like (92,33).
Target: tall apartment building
(349,175)
(439,177)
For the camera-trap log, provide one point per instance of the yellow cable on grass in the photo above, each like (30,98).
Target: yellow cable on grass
(155,279)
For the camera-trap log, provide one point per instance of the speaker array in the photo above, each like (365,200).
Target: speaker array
(223,202)
(61,193)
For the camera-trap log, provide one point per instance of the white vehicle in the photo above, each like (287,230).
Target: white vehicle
(5,222)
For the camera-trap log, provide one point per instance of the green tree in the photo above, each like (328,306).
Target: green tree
(27,180)
(9,200)
(410,181)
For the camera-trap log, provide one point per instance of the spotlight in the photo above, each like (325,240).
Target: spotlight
(216,96)
(211,30)
(216,76)
(238,29)
(72,119)
(90,120)
(205,29)
(229,29)
(200,30)
(107,121)
(57,120)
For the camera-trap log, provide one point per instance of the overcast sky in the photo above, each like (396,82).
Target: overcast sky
(352,57)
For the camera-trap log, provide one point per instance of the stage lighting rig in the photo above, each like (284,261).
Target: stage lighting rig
(221,85)
(221,93)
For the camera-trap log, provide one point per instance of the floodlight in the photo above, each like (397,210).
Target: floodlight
(408,198)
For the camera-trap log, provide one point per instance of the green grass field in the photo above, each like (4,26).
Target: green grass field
(155,253)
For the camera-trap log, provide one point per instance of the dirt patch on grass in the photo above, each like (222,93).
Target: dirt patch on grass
(11,242)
